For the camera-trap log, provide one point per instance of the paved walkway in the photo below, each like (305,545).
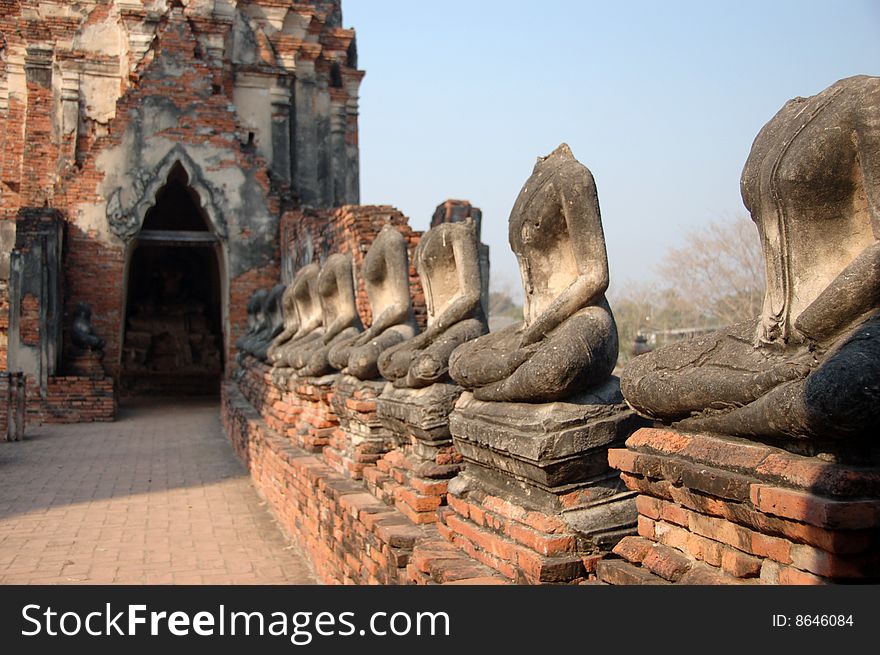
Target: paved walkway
(157,497)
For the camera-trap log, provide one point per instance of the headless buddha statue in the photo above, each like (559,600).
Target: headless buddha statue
(257,321)
(568,340)
(448,264)
(335,286)
(809,365)
(311,319)
(290,320)
(386,276)
(275,323)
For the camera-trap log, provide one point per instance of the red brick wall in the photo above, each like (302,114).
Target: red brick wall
(351,536)
(71,399)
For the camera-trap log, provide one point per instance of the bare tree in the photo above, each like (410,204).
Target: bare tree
(719,270)
(715,278)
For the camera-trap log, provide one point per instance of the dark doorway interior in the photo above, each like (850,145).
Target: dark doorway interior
(173,342)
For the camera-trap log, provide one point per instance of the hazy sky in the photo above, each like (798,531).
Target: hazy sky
(661,100)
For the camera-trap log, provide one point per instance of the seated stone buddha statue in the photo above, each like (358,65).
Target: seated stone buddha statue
(809,365)
(568,340)
(385,271)
(290,320)
(311,319)
(448,265)
(335,287)
(257,322)
(275,323)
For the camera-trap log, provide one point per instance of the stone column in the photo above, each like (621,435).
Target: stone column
(305,135)
(352,148)
(280,98)
(324,147)
(338,155)
(35,295)
(141,27)
(69,115)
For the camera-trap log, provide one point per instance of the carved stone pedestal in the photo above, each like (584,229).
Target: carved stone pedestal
(537,500)
(361,439)
(317,421)
(722,510)
(413,477)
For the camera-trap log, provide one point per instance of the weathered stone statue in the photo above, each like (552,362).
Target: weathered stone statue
(386,276)
(82,334)
(311,319)
(568,341)
(335,285)
(449,268)
(290,320)
(253,304)
(257,321)
(809,366)
(541,407)
(275,323)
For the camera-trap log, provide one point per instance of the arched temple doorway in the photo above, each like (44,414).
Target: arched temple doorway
(173,342)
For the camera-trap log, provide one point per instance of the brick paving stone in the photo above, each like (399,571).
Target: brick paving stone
(158,497)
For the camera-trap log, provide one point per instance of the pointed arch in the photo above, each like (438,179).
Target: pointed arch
(126,218)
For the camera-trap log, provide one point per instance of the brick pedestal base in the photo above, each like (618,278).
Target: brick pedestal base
(720,510)
(361,439)
(537,500)
(317,422)
(86,364)
(413,477)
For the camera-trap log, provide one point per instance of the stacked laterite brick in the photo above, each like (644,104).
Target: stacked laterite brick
(360,439)
(352,536)
(416,485)
(718,510)
(269,394)
(317,422)
(527,547)
(78,399)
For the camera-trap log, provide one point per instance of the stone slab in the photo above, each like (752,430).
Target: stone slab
(422,413)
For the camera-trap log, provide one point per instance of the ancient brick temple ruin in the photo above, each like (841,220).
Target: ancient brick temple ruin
(149,153)
(179,213)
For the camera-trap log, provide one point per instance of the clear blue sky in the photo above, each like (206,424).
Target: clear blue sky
(661,100)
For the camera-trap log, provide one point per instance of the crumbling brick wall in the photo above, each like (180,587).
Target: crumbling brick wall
(99,100)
